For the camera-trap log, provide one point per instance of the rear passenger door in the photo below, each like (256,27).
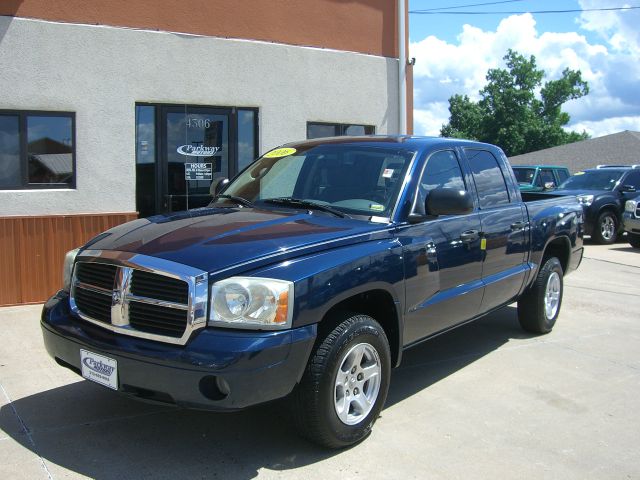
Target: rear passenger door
(503,228)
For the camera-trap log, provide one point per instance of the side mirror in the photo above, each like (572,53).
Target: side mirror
(217,185)
(448,201)
(549,186)
(444,201)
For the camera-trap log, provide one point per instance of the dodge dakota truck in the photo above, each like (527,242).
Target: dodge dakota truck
(309,274)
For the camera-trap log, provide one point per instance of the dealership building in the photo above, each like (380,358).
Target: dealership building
(114,110)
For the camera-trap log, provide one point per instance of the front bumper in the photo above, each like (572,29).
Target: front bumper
(631,223)
(589,219)
(217,369)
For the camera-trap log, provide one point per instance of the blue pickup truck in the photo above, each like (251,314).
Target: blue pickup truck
(309,274)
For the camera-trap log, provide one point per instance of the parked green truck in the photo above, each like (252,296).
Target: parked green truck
(537,178)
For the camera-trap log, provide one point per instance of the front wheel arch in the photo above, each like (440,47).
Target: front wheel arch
(378,303)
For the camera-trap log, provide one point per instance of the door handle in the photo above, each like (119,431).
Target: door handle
(469,236)
(519,226)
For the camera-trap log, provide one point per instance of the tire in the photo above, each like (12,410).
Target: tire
(539,306)
(329,404)
(634,240)
(605,231)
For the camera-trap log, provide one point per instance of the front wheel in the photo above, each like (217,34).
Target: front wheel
(605,231)
(345,384)
(539,306)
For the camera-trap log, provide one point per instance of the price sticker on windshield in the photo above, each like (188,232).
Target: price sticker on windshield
(280,152)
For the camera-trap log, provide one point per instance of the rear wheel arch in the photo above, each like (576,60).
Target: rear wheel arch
(559,247)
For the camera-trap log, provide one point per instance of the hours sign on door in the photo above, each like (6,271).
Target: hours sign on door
(198,171)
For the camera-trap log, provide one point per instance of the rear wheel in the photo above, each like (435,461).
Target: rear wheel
(345,384)
(634,240)
(605,231)
(539,307)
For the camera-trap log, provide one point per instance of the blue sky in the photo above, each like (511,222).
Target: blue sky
(454,52)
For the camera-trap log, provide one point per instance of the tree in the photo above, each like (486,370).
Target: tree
(511,114)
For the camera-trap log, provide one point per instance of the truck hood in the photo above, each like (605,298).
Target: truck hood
(213,239)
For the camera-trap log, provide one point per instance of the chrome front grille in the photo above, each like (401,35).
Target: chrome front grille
(151,285)
(139,296)
(98,275)
(97,305)
(156,319)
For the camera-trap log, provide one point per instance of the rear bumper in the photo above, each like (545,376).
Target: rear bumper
(216,370)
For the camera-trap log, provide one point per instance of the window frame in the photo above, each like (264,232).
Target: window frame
(24,157)
(342,126)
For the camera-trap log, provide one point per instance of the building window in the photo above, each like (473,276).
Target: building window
(247,136)
(37,149)
(320,130)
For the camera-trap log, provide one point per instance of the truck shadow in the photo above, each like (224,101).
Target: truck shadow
(88,430)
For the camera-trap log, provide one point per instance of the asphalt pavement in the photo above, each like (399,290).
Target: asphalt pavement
(484,401)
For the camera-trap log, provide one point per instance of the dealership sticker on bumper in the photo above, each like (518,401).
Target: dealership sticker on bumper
(99,369)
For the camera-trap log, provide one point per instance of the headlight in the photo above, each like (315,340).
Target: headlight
(585,199)
(251,302)
(630,206)
(67,268)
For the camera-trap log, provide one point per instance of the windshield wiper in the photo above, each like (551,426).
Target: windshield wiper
(242,201)
(299,203)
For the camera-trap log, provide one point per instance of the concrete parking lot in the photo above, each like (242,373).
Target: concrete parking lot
(484,401)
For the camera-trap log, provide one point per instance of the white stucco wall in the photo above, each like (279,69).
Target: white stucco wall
(101,72)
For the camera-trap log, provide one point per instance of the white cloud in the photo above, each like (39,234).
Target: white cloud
(428,121)
(617,28)
(608,126)
(611,68)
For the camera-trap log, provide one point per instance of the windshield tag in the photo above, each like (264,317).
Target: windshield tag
(376,207)
(388,173)
(279,152)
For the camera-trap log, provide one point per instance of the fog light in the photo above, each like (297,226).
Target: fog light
(214,388)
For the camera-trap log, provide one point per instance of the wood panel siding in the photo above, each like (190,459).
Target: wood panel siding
(365,26)
(32,250)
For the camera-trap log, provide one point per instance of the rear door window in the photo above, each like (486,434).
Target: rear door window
(488,178)
(546,176)
(562,176)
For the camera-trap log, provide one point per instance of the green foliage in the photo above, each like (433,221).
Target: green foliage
(511,114)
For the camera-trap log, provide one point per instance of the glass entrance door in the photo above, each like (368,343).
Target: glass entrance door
(180,148)
(195,149)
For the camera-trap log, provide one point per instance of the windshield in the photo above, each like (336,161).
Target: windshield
(593,180)
(524,175)
(353,179)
